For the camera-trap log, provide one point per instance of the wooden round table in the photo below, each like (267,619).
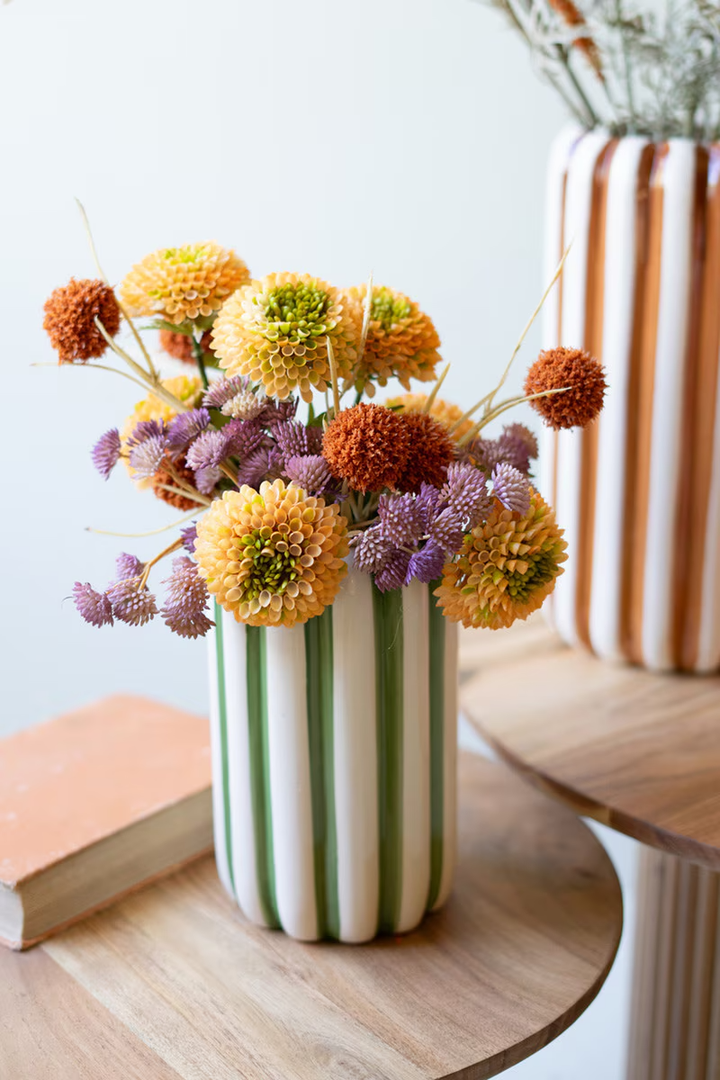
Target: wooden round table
(173,983)
(641,753)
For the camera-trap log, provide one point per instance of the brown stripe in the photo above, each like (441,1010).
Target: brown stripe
(641,381)
(593,343)
(698,427)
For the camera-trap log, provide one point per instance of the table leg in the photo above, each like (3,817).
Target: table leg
(675,1025)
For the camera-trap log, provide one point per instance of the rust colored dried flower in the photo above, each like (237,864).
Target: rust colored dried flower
(163,479)
(273,557)
(183,283)
(276,330)
(402,341)
(431,451)
(444,411)
(506,568)
(180,345)
(70,314)
(367,445)
(573,368)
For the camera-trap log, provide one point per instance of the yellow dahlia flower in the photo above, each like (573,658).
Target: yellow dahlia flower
(187,388)
(273,557)
(402,341)
(444,411)
(275,331)
(183,283)
(506,567)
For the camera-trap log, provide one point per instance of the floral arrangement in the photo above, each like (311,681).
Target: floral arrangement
(627,66)
(275,505)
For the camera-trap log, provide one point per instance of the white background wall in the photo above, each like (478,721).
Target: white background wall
(404,136)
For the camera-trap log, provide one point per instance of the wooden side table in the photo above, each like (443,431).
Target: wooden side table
(640,753)
(173,983)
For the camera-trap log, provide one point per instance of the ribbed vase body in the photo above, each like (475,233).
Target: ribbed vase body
(638,492)
(334,764)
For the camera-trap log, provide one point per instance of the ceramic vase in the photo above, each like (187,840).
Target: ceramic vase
(334,764)
(638,492)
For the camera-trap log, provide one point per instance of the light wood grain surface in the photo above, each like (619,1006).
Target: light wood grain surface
(519,952)
(635,750)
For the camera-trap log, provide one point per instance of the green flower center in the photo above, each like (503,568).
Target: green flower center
(189,254)
(541,570)
(274,567)
(388,309)
(296,312)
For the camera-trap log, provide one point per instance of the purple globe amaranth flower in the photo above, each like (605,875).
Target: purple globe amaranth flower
(189,536)
(222,390)
(511,487)
(280,410)
(401,519)
(394,572)
(186,427)
(94,607)
(372,550)
(426,565)
(296,440)
(243,437)
(466,493)
(186,600)
(207,478)
(209,449)
(311,472)
(127,566)
(448,530)
(261,464)
(517,445)
(131,604)
(147,429)
(147,457)
(106,452)
(427,503)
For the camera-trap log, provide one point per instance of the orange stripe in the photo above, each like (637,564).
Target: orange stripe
(640,395)
(699,412)
(593,343)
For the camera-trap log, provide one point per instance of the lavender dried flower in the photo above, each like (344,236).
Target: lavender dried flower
(189,536)
(401,519)
(94,607)
(372,550)
(186,600)
(127,566)
(465,491)
(224,390)
(427,564)
(186,427)
(394,572)
(106,452)
(131,604)
(311,472)
(147,456)
(209,449)
(511,487)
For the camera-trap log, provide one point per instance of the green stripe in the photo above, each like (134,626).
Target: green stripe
(319,691)
(388,620)
(436,672)
(222,709)
(260,770)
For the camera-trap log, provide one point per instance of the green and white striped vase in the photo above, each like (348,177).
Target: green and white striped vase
(334,749)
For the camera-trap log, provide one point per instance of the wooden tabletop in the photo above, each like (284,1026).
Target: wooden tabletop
(635,750)
(173,983)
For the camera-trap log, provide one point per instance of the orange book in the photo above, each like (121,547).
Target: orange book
(95,804)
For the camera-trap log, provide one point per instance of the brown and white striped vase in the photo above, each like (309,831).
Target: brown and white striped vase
(638,492)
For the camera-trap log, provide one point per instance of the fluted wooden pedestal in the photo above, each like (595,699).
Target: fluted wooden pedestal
(676,994)
(640,753)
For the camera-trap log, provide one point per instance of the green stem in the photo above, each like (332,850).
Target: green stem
(200,360)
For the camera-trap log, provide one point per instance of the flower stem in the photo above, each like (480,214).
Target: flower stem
(153,562)
(199,355)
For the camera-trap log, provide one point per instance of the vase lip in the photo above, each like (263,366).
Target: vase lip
(573,129)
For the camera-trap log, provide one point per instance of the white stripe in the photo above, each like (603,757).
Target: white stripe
(355,759)
(678,181)
(416,757)
(578,208)
(708,658)
(449,763)
(242,834)
(290,795)
(218,800)
(560,154)
(618,318)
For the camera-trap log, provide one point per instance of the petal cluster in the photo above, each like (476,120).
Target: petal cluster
(274,556)
(506,568)
(402,341)
(183,283)
(275,331)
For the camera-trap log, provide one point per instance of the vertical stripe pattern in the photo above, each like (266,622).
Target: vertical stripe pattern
(334,764)
(638,493)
